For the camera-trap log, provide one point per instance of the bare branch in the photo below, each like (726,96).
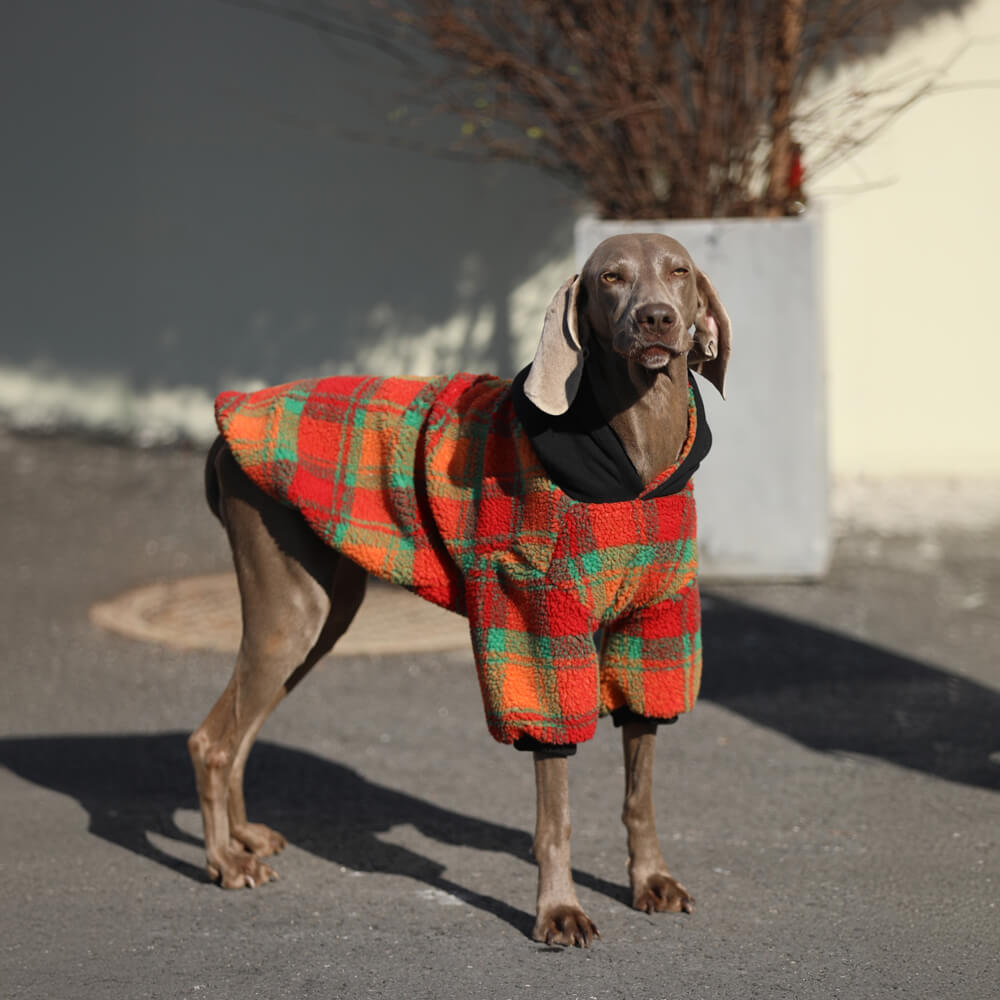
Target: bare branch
(652,107)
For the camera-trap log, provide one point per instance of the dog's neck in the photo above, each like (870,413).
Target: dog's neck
(652,416)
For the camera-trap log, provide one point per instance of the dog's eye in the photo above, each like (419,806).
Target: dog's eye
(680,272)
(610,278)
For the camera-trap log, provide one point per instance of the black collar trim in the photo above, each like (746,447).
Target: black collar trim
(585,458)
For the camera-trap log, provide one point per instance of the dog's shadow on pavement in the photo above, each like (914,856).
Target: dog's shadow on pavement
(132,786)
(827,691)
(836,694)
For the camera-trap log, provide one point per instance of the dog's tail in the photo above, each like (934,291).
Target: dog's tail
(212,492)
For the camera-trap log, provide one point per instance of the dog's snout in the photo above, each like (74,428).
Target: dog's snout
(656,317)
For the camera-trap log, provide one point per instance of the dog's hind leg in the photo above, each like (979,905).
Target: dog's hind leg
(347,592)
(298,597)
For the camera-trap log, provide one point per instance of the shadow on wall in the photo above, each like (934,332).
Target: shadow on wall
(173,226)
(187,215)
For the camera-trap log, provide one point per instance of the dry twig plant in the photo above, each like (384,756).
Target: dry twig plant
(654,108)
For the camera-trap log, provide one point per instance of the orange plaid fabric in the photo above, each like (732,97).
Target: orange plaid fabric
(432,484)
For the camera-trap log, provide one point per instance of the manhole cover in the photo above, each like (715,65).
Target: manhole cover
(203,612)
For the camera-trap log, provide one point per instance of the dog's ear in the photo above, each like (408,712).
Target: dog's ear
(555,372)
(712,336)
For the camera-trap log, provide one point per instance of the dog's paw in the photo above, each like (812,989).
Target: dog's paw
(237,868)
(662,893)
(258,839)
(565,925)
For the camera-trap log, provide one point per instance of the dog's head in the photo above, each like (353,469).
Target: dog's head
(642,297)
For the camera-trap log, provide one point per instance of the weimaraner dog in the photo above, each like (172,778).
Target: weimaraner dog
(629,328)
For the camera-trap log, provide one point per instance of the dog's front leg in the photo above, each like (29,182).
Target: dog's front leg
(559,917)
(654,889)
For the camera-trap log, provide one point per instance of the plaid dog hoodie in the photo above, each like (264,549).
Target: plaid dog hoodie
(435,484)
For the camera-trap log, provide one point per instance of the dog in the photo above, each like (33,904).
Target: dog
(554,510)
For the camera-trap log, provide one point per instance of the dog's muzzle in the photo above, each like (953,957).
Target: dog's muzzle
(655,336)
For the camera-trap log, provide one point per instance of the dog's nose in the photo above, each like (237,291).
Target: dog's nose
(656,317)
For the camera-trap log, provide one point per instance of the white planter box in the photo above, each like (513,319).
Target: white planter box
(762,492)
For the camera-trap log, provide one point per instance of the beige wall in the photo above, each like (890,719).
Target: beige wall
(912,267)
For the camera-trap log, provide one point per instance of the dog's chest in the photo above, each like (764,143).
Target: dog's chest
(614,557)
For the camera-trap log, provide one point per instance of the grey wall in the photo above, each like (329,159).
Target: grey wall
(164,224)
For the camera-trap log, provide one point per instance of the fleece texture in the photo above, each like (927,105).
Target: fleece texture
(433,484)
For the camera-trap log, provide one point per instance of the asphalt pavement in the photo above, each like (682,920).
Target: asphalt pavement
(833,802)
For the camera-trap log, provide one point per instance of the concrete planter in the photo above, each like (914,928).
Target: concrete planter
(763,491)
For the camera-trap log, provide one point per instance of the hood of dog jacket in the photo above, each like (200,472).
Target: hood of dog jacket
(587,460)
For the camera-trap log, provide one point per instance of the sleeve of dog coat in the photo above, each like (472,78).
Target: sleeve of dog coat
(651,661)
(535,657)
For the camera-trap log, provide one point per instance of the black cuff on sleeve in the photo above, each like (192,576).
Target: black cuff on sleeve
(619,716)
(529,743)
